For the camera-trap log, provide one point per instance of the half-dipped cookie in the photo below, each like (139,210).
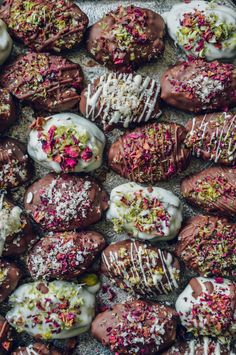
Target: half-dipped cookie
(66,142)
(213,137)
(6,336)
(148,213)
(45,25)
(126,38)
(36,349)
(197,85)
(121,100)
(54,310)
(5,43)
(7,110)
(208,307)
(9,277)
(136,327)
(141,268)
(46,82)
(207,245)
(15,165)
(212,189)
(199,346)
(65,202)
(203,29)
(150,153)
(64,255)
(16,234)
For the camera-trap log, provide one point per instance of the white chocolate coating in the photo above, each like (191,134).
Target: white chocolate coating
(79,307)
(5,43)
(226,15)
(168,226)
(96,142)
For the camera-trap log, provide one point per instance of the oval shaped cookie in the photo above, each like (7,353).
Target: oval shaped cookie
(198,346)
(10,275)
(7,110)
(207,307)
(126,38)
(16,233)
(136,327)
(45,25)
(148,213)
(64,255)
(6,336)
(54,310)
(151,153)
(213,190)
(5,43)
(36,348)
(203,29)
(65,202)
(196,86)
(15,166)
(118,100)
(66,142)
(213,137)
(207,245)
(140,268)
(51,83)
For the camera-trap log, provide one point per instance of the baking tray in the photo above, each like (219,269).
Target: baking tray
(109,294)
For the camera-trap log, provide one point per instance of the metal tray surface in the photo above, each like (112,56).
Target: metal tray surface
(86,344)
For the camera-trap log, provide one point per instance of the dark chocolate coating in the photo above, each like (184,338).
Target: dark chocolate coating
(197,86)
(10,275)
(127,38)
(141,101)
(151,153)
(18,243)
(45,25)
(39,348)
(207,245)
(213,137)
(65,202)
(15,166)
(213,190)
(46,82)
(6,337)
(199,346)
(133,265)
(126,328)
(64,256)
(7,110)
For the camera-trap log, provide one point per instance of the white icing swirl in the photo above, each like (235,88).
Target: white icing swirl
(5,42)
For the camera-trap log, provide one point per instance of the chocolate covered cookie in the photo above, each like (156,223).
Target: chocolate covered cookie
(213,190)
(148,213)
(199,346)
(151,153)
(65,202)
(9,277)
(64,255)
(140,268)
(208,307)
(196,86)
(46,82)
(5,43)
(45,25)
(121,100)
(207,245)
(36,348)
(213,137)
(6,336)
(136,327)
(66,142)
(203,29)
(127,37)
(15,165)
(51,310)
(7,110)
